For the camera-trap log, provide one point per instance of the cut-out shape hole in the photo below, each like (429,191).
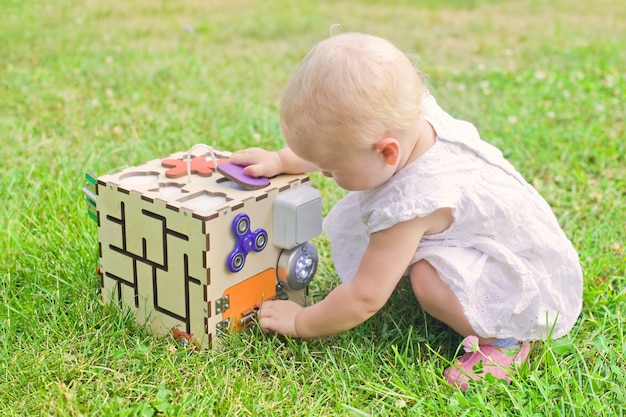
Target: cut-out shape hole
(204,200)
(139,178)
(170,189)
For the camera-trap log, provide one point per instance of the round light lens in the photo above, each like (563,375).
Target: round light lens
(297,266)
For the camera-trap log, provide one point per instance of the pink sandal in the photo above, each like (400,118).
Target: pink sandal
(495,361)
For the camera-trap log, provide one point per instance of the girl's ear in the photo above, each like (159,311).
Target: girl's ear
(389,148)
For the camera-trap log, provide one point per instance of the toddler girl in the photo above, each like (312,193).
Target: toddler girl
(482,248)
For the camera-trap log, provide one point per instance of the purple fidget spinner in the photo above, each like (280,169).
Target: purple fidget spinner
(246,240)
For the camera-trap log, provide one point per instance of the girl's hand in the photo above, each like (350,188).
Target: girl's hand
(258,162)
(279,316)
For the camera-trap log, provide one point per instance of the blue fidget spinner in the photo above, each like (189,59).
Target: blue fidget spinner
(246,241)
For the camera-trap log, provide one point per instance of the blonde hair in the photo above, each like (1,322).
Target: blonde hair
(349,91)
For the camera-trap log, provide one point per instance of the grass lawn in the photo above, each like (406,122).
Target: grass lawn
(98,85)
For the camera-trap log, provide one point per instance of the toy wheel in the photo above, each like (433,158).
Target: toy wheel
(236,262)
(260,240)
(241,225)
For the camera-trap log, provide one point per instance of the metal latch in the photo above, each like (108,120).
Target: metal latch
(222,304)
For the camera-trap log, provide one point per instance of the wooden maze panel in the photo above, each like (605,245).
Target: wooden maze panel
(140,270)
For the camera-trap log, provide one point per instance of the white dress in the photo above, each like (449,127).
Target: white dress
(505,257)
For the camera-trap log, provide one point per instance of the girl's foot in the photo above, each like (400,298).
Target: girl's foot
(496,361)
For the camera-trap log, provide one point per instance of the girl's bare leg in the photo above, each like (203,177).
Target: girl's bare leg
(439,301)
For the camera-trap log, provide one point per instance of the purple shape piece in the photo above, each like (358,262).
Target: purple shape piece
(235,173)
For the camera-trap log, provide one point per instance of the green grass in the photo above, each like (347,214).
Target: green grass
(98,86)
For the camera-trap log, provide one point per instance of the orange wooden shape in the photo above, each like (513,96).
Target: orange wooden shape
(199,165)
(245,296)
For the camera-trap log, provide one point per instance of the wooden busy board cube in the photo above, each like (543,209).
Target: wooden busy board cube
(192,252)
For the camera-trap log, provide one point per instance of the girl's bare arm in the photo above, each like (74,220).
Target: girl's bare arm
(387,256)
(262,163)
